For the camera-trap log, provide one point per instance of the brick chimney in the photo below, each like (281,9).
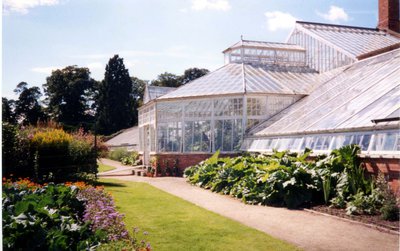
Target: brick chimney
(389,15)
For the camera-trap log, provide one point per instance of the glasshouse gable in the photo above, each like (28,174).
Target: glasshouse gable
(328,86)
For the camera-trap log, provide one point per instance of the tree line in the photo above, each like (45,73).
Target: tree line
(74,99)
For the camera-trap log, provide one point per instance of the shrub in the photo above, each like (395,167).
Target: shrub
(130,160)
(118,154)
(364,204)
(59,156)
(390,210)
(282,179)
(15,150)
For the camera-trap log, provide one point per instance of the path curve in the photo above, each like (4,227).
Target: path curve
(304,229)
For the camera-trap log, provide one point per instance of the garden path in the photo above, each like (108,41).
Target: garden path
(304,229)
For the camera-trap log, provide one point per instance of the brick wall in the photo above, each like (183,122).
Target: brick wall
(390,167)
(389,15)
(182,161)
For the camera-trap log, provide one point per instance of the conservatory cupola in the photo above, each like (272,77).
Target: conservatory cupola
(265,53)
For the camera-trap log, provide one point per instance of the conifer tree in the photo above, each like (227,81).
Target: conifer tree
(115,101)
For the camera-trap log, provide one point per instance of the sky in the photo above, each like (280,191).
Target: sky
(152,36)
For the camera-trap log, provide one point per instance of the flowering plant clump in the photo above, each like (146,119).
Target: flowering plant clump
(101,212)
(70,216)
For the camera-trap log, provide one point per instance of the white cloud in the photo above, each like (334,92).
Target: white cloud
(335,14)
(95,65)
(46,70)
(222,5)
(277,20)
(23,6)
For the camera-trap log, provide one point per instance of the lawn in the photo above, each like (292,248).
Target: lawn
(104,168)
(175,224)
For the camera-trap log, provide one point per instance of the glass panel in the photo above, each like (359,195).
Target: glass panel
(237,134)
(169,137)
(227,136)
(364,143)
(228,107)
(197,136)
(390,142)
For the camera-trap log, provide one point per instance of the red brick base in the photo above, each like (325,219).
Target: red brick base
(178,162)
(389,167)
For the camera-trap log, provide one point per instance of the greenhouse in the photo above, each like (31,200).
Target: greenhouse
(328,86)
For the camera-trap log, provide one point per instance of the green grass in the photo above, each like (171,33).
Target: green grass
(105,168)
(175,224)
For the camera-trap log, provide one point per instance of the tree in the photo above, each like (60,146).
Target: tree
(115,101)
(193,73)
(28,109)
(8,114)
(167,79)
(138,87)
(70,94)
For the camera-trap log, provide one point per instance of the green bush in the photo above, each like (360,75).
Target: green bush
(282,179)
(390,210)
(59,156)
(15,151)
(130,160)
(118,154)
(47,154)
(286,179)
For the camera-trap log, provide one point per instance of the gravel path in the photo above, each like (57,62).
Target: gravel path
(306,230)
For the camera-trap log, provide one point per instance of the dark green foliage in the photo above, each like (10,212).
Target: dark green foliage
(390,210)
(167,79)
(285,179)
(281,179)
(15,151)
(28,110)
(115,101)
(138,87)
(70,95)
(192,74)
(48,218)
(8,114)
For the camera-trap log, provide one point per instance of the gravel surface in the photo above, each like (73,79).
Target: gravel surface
(306,230)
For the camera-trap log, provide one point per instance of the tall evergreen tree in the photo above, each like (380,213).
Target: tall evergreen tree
(70,94)
(115,100)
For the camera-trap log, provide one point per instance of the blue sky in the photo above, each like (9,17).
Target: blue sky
(153,36)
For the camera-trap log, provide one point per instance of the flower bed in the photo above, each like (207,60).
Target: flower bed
(70,216)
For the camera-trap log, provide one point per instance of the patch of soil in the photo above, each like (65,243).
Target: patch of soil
(368,219)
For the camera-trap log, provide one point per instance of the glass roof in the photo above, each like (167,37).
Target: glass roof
(242,78)
(356,41)
(153,92)
(367,90)
(264,45)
